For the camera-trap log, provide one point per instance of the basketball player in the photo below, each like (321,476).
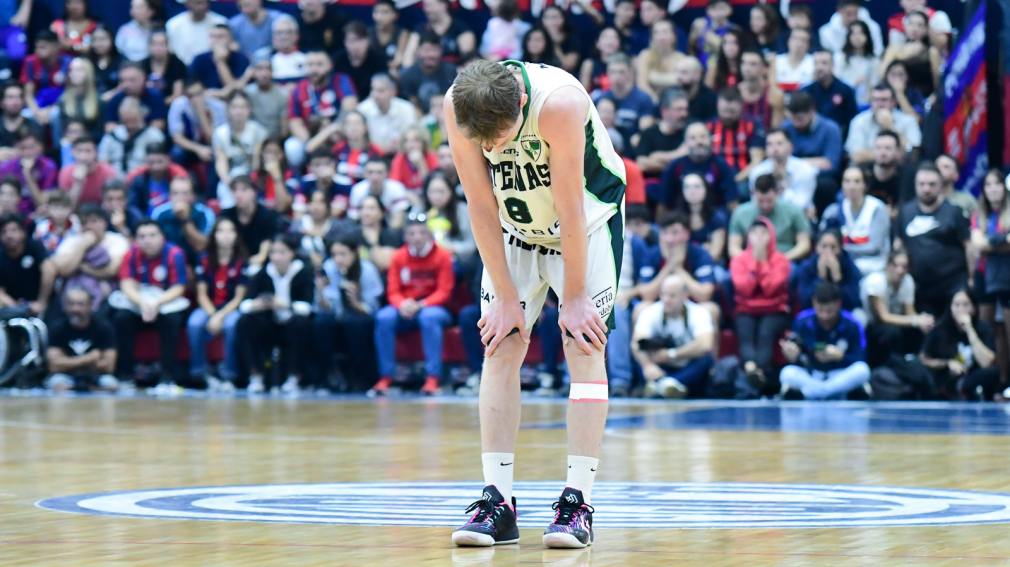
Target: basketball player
(545,190)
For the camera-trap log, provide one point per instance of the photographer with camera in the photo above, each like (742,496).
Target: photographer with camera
(673,342)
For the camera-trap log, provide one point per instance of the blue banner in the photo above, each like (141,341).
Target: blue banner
(966,106)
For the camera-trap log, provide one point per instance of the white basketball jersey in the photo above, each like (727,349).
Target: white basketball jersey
(521,174)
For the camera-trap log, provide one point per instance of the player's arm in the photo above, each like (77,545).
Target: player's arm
(562,123)
(486,226)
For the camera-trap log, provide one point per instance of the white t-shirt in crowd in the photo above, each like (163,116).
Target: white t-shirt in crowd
(187,38)
(654,323)
(875,285)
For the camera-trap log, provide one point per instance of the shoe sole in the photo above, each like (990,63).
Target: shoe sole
(474,539)
(563,541)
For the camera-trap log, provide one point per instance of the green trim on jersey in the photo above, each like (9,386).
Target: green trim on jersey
(529,91)
(615,226)
(604,184)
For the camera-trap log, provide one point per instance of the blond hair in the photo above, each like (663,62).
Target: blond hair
(485,98)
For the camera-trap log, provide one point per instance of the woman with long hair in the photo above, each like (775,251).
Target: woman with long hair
(566,42)
(910,100)
(593,72)
(921,59)
(79,101)
(106,60)
(538,47)
(448,218)
(726,71)
(273,175)
(863,221)
(276,314)
(656,65)
(220,288)
(313,227)
(990,243)
(74,29)
(829,263)
(959,352)
(165,72)
(857,66)
(349,292)
(765,25)
(708,223)
(378,241)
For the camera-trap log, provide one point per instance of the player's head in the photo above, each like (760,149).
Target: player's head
(488,101)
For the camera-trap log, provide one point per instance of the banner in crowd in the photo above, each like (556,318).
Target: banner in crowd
(537,6)
(965,106)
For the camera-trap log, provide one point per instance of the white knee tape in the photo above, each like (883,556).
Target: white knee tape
(588,392)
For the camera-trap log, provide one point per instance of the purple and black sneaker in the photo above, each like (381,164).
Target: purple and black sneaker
(573,522)
(493,521)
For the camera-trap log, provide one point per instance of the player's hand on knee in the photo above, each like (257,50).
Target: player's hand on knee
(500,320)
(580,320)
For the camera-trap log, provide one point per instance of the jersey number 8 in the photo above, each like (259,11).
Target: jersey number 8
(518,211)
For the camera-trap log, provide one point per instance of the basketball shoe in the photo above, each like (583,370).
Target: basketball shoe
(573,522)
(493,521)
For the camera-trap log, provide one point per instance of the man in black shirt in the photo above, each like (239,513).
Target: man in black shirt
(26,275)
(663,142)
(935,235)
(256,224)
(430,76)
(82,351)
(702,99)
(319,26)
(358,59)
(889,176)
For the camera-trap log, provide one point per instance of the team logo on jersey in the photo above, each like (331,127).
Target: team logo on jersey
(532,147)
(619,504)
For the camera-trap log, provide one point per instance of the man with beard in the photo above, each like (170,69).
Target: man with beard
(700,160)
(889,175)
(26,276)
(701,99)
(82,352)
(935,235)
(833,98)
(663,142)
(317,99)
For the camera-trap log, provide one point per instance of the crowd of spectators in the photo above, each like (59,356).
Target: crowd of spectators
(281,179)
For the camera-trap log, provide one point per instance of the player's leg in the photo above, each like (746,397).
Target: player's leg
(494,516)
(588,395)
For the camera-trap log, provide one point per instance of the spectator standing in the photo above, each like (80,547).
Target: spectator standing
(936,236)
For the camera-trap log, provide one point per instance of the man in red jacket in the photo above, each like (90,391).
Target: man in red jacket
(420,281)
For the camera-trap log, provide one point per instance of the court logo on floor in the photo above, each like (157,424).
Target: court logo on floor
(618,504)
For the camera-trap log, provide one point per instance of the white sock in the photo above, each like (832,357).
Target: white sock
(581,474)
(498,470)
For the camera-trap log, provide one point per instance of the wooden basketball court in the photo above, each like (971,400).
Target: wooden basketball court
(57,448)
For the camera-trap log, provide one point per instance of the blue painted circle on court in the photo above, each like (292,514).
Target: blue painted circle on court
(618,504)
